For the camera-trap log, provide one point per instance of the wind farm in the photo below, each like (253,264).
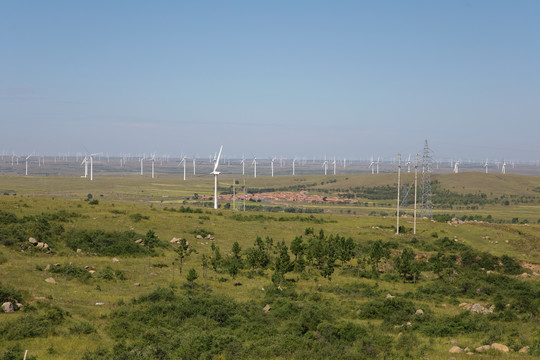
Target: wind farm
(269,180)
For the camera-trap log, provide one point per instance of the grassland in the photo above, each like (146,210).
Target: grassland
(92,308)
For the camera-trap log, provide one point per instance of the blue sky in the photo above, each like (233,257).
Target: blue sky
(285,78)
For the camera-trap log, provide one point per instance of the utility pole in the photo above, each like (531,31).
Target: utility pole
(398,186)
(415,191)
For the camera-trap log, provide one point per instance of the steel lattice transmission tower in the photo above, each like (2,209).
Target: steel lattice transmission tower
(426,204)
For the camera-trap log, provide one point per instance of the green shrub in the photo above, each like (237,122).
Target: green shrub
(138,217)
(103,243)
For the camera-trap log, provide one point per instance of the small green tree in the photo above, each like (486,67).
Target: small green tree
(377,252)
(236,249)
(215,260)
(192,276)
(183,250)
(151,240)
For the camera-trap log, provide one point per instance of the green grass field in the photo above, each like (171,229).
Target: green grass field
(100,305)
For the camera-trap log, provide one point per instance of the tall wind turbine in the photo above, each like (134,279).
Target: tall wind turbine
(85,162)
(325,166)
(377,163)
(254,163)
(371,166)
(334,163)
(26,162)
(153,161)
(456,167)
(243,162)
(142,162)
(409,164)
(294,160)
(486,166)
(216,173)
(272,162)
(92,165)
(194,160)
(184,162)
(503,168)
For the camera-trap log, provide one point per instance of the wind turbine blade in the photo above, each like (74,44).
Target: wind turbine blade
(217,160)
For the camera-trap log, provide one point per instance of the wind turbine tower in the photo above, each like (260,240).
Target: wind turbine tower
(216,173)
(325,166)
(254,163)
(26,164)
(272,163)
(85,162)
(503,168)
(334,163)
(456,167)
(153,161)
(486,166)
(92,165)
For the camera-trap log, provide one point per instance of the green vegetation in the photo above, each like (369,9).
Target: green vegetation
(281,285)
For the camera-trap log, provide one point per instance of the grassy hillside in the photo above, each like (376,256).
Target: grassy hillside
(321,302)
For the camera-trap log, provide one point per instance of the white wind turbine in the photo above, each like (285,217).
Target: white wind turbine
(254,163)
(92,165)
(26,164)
(85,162)
(456,167)
(377,163)
(409,164)
(371,166)
(325,166)
(293,162)
(243,162)
(142,162)
(153,161)
(272,162)
(486,166)
(503,168)
(194,160)
(184,162)
(216,173)
(334,163)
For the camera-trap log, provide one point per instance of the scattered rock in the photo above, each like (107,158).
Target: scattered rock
(524,275)
(100,303)
(453,341)
(40,245)
(57,264)
(79,251)
(419,312)
(267,308)
(524,350)
(50,280)
(87,267)
(467,350)
(137,284)
(45,246)
(482,348)
(48,267)
(199,237)
(139,241)
(92,271)
(115,260)
(500,347)
(32,241)
(390,296)
(408,324)
(175,240)
(8,307)
(455,350)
